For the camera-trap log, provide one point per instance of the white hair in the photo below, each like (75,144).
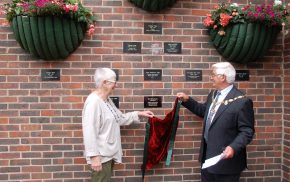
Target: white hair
(102,74)
(225,68)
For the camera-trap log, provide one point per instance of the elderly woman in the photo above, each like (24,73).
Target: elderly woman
(101,122)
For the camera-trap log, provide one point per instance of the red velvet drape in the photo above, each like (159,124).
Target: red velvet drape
(159,136)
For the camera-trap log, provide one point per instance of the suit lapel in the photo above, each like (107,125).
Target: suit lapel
(208,105)
(223,107)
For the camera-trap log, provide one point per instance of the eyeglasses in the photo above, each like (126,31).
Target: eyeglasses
(113,82)
(214,75)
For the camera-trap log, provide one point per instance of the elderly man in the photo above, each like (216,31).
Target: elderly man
(228,125)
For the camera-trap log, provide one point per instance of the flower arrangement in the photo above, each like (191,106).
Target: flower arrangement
(274,14)
(72,9)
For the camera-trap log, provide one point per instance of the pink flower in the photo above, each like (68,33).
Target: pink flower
(66,8)
(272,15)
(225,19)
(74,7)
(258,9)
(208,21)
(91,30)
(25,6)
(69,7)
(40,3)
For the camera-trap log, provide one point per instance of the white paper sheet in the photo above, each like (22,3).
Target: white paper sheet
(212,161)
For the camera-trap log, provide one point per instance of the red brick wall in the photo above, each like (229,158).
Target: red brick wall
(40,121)
(286,117)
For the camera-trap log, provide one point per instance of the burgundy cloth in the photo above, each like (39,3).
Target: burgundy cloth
(159,136)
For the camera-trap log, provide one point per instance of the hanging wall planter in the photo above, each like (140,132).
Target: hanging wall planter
(153,5)
(244,34)
(49,30)
(244,42)
(48,37)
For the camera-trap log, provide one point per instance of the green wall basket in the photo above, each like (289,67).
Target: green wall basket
(244,42)
(153,5)
(48,38)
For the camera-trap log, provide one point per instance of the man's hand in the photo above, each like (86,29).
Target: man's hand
(96,163)
(182,96)
(228,152)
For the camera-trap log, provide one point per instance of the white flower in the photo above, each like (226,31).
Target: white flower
(277,2)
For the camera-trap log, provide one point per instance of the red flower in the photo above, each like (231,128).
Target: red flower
(208,21)
(225,19)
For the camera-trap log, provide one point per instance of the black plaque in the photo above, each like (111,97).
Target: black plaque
(152,74)
(193,75)
(50,75)
(155,101)
(172,47)
(242,75)
(115,101)
(117,74)
(131,47)
(152,28)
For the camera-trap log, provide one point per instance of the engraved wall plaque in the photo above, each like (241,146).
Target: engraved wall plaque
(242,75)
(152,28)
(153,101)
(152,74)
(193,75)
(115,101)
(132,47)
(50,75)
(172,47)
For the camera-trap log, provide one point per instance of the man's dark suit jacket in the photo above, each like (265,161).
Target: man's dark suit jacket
(233,125)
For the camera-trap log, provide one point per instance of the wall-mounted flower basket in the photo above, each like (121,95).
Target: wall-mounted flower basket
(244,42)
(153,5)
(244,34)
(48,37)
(49,29)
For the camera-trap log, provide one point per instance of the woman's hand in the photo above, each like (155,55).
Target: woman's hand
(148,114)
(182,96)
(96,163)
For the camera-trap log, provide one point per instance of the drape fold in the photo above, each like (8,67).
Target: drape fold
(159,138)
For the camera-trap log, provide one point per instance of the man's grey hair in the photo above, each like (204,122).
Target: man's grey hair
(225,68)
(102,74)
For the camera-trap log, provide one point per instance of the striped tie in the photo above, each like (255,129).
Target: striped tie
(210,115)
